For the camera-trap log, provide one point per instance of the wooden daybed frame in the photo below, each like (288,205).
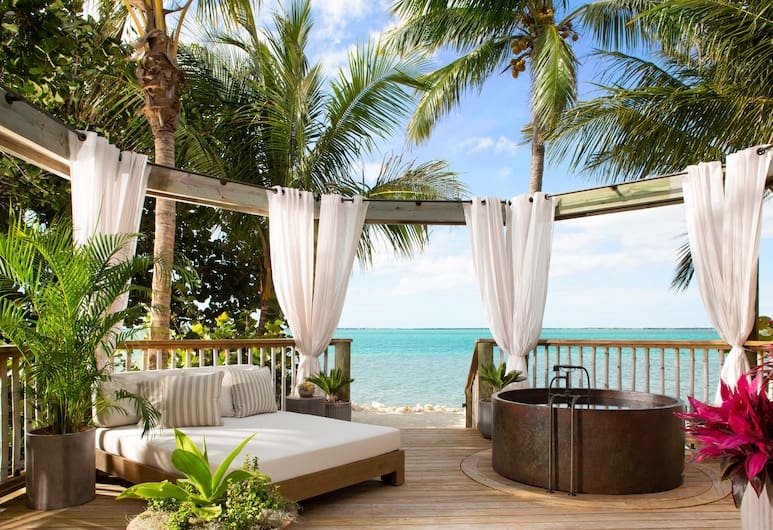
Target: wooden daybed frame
(389,466)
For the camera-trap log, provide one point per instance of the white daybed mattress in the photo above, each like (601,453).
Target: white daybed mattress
(287,444)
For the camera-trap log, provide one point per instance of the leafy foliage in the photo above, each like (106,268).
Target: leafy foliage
(491,36)
(240,499)
(331,383)
(264,114)
(55,306)
(498,377)
(739,433)
(74,67)
(705,92)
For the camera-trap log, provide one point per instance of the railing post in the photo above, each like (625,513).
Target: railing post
(343,355)
(485,356)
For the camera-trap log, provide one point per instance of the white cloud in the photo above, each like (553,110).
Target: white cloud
(336,16)
(476,145)
(333,60)
(481,144)
(505,145)
(504,172)
(369,171)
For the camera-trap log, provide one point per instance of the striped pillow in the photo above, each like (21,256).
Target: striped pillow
(186,401)
(252,392)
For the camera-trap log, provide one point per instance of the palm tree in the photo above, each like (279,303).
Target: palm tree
(160,77)
(279,123)
(491,36)
(706,93)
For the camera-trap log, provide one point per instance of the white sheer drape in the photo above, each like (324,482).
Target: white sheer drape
(312,296)
(108,190)
(512,260)
(723,227)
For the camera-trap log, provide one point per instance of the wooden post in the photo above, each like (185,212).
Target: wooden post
(485,356)
(343,361)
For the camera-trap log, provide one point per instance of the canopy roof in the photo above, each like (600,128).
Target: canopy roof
(34,136)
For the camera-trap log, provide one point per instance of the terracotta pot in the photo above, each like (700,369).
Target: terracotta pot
(61,469)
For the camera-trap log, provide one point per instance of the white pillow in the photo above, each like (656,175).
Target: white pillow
(226,403)
(186,401)
(252,391)
(129,381)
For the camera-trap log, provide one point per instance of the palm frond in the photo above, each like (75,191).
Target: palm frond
(685,270)
(449,83)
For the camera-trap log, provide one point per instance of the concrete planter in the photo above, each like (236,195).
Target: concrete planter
(61,469)
(339,410)
(150,520)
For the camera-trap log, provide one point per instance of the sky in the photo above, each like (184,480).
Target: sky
(606,271)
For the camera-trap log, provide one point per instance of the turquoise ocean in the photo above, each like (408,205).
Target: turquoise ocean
(423,367)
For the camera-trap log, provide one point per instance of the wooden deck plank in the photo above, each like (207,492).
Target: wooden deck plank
(436,494)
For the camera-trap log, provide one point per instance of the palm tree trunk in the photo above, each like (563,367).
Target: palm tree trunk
(160,79)
(537,159)
(266,297)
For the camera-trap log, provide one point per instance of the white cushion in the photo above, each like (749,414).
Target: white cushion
(128,381)
(186,400)
(252,392)
(287,444)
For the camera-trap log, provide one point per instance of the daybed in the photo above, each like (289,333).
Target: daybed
(304,455)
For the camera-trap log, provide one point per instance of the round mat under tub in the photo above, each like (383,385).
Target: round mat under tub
(702,485)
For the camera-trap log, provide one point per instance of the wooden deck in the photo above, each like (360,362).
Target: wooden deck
(436,494)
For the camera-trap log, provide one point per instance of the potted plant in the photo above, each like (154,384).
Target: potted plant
(332,384)
(242,498)
(54,306)
(739,433)
(498,377)
(306,389)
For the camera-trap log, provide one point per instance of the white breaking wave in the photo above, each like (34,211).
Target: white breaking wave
(381,408)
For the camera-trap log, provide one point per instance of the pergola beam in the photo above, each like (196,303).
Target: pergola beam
(34,136)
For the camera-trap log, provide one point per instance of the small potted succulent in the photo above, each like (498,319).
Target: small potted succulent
(306,389)
(332,385)
(498,377)
(739,433)
(241,498)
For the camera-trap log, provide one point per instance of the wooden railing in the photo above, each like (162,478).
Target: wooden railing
(12,418)
(278,354)
(670,367)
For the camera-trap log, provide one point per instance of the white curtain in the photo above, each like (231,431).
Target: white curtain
(108,190)
(511,261)
(312,295)
(723,228)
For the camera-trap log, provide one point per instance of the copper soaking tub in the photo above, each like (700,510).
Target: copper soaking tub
(624,442)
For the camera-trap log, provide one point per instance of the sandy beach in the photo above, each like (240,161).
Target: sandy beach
(409,417)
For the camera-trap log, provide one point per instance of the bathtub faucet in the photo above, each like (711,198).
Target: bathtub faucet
(565,371)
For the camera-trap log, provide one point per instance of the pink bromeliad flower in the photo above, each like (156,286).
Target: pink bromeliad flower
(739,433)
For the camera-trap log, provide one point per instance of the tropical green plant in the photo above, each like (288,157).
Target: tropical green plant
(73,66)
(271,117)
(331,383)
(498,377)
(705,92)
(490,36)
(55,306)
(158,29)
(239,499)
